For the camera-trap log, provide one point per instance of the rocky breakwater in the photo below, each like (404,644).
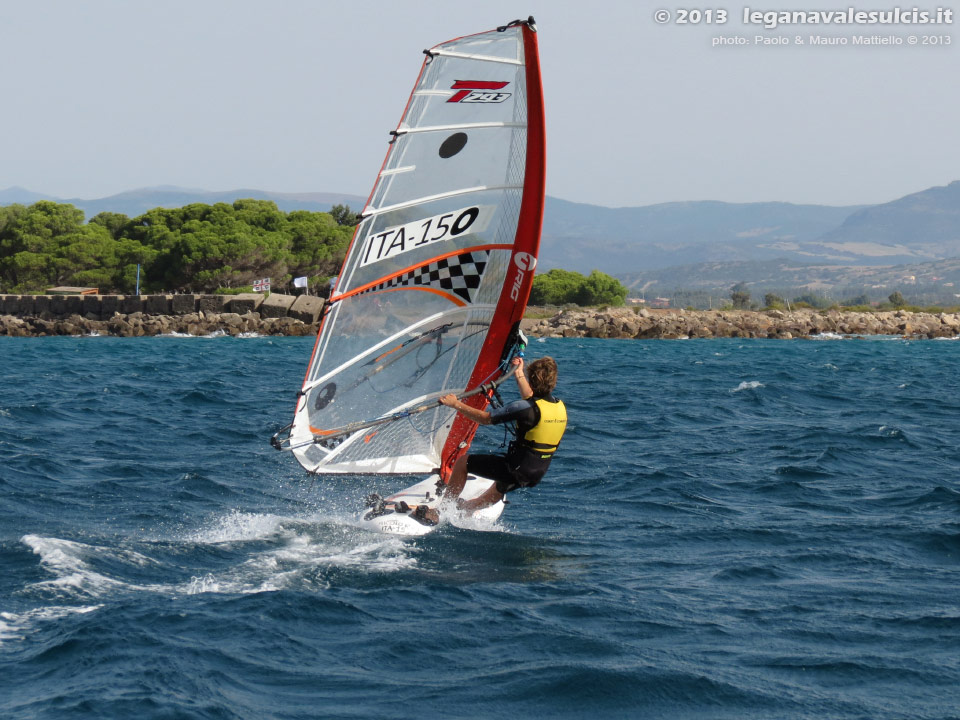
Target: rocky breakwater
(139,315)
(674,324)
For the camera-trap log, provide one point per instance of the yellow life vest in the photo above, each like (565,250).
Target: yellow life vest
(544,437)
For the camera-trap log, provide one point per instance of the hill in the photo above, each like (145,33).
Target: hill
(15,194)
(685,244)
(583,237)
(928,282)
(924,225)
(137,202)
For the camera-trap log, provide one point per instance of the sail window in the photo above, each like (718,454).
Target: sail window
(323,398)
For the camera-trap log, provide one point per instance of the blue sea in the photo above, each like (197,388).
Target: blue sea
(731,529)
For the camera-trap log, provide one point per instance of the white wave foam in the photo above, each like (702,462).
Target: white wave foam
(67,560)
(827,336)
(214,334)
(890,432)
(299,552)
(302,560)
(16,626)
(237,526)
(304,548)
(478,524)
(752,385)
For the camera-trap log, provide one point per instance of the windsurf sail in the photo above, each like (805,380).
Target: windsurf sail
(436,279)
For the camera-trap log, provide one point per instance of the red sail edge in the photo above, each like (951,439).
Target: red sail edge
(523,260)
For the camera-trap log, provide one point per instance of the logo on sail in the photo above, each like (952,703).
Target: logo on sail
(478,91)
(525,263)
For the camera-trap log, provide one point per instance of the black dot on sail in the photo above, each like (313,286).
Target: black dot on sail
(453,144)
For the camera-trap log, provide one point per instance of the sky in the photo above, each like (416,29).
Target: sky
(103,96)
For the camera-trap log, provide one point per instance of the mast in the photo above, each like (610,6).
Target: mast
(516,290)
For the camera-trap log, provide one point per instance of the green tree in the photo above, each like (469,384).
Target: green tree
(773,301)
(318,244)
(600,289)
(31,243)
(896,299)
(115,223)
(559,287)
(740,296)
(812,300)
(343,215)
(261,214)
(556,287)
(10,215)
(196,248)
(224,246)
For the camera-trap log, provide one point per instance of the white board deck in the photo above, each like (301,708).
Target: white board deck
(425,493)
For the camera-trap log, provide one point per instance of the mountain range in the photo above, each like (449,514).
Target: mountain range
(137,202)
(681,244)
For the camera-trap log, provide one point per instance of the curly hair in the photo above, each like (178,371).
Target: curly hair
(542,375)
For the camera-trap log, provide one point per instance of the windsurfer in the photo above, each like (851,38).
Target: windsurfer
(541,420)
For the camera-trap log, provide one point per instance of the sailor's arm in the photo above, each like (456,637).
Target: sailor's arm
(526,392)
(481,417)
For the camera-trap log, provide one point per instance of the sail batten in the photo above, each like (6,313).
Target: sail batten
(460,126)
(472,56)
(436,278)
(439,196)
(394,171)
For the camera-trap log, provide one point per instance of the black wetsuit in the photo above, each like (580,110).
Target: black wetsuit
(522,466)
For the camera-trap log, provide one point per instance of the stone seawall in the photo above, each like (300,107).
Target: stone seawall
(673,324)
(136,315)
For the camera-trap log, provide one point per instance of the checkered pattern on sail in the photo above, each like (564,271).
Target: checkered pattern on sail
(458,274)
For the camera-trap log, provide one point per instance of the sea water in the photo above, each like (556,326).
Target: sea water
(731,529)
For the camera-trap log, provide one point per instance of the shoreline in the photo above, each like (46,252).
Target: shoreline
(286,315)
(778,324)
(144,315)
(142,325)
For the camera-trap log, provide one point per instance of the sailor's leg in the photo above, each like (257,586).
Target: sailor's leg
(458,478)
